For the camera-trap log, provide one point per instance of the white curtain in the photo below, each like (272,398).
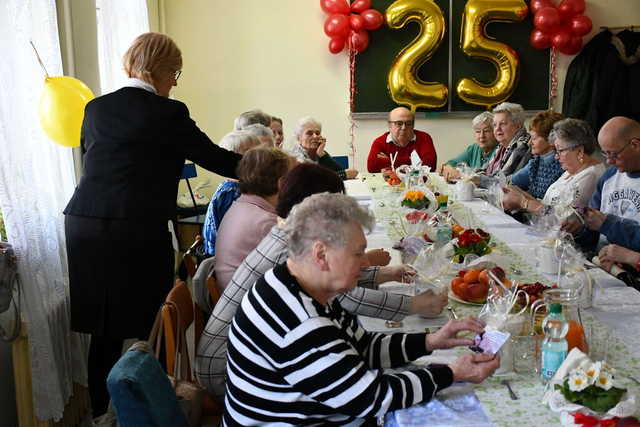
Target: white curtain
(36,181)
(119,23)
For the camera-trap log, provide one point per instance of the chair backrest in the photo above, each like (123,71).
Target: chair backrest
(343,161)
(190,259)
(141,392)
(179,307)
(200,285)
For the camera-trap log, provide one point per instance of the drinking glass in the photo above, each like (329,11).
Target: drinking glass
(525,350)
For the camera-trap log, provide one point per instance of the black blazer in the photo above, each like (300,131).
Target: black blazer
(135,144)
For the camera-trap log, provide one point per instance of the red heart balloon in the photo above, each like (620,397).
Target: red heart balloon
(360,6)
(358,40)
(536,5)
(561,39)
(335,6)
(356,21)
(547,19)
(336,44)
(337,25)
(540,40)
(372,19)
(580,25)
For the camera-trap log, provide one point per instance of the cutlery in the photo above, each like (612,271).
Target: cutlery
(511,393)
(635,380)
(452,312)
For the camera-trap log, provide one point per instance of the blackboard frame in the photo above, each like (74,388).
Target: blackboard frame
(448,65)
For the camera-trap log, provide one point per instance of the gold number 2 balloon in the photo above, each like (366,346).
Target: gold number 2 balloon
(477,14)
(404,85)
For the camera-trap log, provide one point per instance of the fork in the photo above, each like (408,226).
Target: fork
(511,393)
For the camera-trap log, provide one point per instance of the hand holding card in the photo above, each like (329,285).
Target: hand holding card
(490,341)
(446,337)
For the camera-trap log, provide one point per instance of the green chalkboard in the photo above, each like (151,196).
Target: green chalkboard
(372,65)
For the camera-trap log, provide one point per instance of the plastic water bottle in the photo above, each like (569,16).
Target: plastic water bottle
(554,346)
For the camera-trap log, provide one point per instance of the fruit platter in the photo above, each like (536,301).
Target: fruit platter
(472,286)
(391,177)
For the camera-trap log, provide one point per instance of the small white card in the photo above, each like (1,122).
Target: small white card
(490,341)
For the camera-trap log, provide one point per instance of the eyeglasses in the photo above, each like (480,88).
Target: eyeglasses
(176,75)
(400,123)
(565,149)
(613,155)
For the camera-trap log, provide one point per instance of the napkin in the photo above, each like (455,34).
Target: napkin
(415,159)
(574,359)
(456,405)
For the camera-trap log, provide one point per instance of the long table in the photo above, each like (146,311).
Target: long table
(615,305)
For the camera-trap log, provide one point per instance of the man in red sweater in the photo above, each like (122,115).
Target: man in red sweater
(401,139)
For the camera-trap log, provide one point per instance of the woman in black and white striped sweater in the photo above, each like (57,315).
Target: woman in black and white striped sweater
(296,357)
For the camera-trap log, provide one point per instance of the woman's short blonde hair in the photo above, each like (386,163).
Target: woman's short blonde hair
(151,54)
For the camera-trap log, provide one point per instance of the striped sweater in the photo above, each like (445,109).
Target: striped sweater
(294,361)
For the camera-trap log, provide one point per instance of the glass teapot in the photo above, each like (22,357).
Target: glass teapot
(570,301)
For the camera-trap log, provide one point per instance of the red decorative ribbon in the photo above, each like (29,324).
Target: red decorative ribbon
(589,421)
(352,93)
(553,71)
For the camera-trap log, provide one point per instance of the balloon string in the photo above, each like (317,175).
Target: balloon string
(553,92)
(352,93)
(39,60)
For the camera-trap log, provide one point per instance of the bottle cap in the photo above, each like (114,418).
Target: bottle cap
(555,308)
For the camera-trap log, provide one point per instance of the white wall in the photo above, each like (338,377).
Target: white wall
(273,54)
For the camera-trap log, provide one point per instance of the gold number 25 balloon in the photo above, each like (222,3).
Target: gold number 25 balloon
(404,85)
(477,14)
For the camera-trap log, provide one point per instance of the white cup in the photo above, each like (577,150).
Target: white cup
(464,191)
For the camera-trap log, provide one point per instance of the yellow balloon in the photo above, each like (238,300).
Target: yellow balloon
(477,14)
(62,109)
(404,85)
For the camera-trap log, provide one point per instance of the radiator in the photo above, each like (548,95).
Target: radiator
(77,410)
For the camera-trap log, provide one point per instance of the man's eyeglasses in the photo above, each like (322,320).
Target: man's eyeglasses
(613,155)
(176,75)
(400,123)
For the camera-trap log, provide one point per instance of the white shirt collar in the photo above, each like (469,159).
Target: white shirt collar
(141,84)
(390,138)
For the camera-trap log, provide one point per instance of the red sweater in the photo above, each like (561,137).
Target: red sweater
(423,145)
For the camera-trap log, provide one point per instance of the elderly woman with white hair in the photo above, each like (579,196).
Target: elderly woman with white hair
(264,134)
(475,155)
(238,141)
(513,139)
(310,147)
(295,354)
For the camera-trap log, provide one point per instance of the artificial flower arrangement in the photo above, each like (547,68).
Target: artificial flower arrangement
(591,385)
(471,241)
(415,199)
(587,391)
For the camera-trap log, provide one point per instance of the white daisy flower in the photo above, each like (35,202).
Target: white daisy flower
(578,380)
(593,371)
(604,381)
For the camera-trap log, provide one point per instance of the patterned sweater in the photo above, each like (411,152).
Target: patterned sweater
(294,361)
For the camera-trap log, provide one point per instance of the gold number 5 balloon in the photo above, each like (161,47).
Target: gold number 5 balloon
(404,85)
(477,14)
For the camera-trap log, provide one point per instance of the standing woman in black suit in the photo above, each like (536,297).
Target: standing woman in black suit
(135,141)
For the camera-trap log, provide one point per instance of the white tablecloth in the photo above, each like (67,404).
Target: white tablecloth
(615,305)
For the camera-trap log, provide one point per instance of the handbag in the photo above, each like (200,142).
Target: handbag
(8,283)
(190,394)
